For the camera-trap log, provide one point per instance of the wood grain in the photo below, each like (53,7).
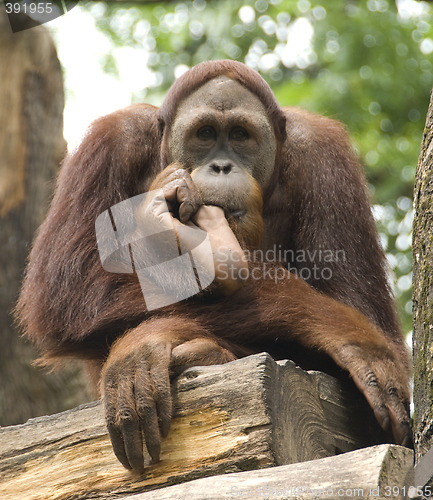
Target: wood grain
(246,415)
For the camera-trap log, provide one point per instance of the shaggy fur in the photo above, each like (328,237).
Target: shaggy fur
(316,201)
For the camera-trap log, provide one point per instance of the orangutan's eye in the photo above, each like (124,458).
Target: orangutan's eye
(206,133)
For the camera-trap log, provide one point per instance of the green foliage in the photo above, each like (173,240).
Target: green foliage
(367,64)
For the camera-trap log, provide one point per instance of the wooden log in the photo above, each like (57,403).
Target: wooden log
(249,414)
(379,472)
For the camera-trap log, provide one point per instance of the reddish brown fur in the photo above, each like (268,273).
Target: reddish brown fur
(116,160)
(317,199)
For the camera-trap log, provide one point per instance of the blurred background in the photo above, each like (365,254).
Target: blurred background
(368,64)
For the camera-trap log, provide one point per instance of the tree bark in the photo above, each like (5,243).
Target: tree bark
(423,294)
(31,148)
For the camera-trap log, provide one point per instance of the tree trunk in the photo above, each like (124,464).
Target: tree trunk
(31,148)
(423,294)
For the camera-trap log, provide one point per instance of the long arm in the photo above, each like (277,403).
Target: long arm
(136,376)
(326,219)
(66,295)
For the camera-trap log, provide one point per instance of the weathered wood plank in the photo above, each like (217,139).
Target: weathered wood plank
(249,414)
(379,472)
